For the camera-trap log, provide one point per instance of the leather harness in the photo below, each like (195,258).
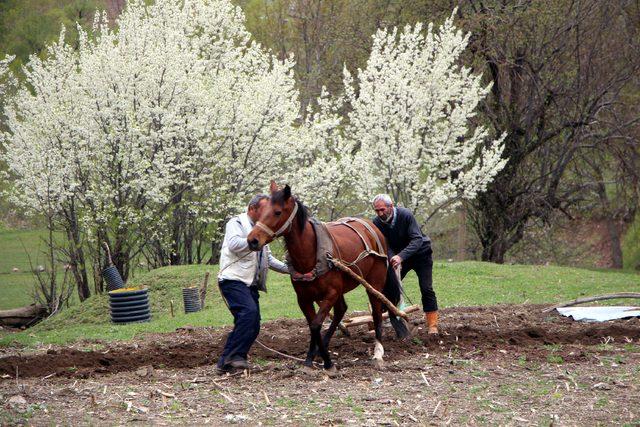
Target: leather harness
(324,250)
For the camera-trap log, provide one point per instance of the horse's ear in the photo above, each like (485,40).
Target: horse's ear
(274,187)
(287,192)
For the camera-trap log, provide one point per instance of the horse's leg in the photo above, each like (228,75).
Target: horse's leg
(339,310)
(323,311)
(376,313)
(309,313)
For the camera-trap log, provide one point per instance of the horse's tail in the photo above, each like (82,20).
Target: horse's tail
(392,291)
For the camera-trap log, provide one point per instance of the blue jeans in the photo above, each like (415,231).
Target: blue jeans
(243,303)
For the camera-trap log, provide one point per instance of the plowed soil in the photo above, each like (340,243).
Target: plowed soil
(500,364)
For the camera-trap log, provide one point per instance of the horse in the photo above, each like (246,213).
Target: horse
(352,240)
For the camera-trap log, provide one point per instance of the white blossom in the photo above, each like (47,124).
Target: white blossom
(408,129)
(5,77)
(175,106)
(176,109)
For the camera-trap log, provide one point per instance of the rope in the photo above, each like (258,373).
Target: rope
(359,258)
(231,263)
(404,294)
(288,356)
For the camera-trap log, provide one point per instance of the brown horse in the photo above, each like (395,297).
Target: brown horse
(289,217)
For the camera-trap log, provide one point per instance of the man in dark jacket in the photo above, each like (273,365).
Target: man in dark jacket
(409,249)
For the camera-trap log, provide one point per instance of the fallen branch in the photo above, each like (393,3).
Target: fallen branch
(23,316)
(342,328)
(226,397)
(370,288)
(366,319)
(591,299)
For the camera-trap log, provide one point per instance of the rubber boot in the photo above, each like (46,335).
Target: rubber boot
(431,319)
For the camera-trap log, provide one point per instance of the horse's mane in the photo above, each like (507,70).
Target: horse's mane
(302,216)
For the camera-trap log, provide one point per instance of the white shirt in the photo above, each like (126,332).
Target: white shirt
(238,262)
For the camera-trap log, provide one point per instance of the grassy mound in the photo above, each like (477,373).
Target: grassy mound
(164,284)
(456,284)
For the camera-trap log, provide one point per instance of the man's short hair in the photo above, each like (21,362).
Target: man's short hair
(255,200)
(384,197)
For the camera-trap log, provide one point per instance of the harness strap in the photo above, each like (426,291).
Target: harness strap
(313,274)
(368,249)
(373,233)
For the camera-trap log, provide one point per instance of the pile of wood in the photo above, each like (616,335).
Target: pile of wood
(368,320)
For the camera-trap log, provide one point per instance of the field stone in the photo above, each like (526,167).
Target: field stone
(236,418)
(145,371)
(17,400)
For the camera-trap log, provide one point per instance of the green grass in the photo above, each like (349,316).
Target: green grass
(15,287)
(12,249)
(456,284)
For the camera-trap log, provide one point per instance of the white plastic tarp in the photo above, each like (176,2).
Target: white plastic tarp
(599,314)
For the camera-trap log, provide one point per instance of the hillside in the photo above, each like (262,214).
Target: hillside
(456,284)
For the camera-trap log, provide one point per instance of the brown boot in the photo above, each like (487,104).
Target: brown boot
(431,319)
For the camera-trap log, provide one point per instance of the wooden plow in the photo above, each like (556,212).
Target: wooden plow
(368,319)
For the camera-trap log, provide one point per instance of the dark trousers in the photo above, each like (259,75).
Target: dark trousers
(243,303)
(422,264)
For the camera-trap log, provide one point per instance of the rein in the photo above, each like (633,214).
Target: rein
(284,227)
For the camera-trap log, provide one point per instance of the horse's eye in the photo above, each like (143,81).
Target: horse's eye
(278,213)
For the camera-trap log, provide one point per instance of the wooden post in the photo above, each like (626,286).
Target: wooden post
(367,319)
(203,289)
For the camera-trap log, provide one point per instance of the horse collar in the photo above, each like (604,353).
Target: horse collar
(285,226)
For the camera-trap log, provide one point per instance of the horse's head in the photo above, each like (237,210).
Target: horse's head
(276,217)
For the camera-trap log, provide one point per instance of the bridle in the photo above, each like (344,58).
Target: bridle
(285,226)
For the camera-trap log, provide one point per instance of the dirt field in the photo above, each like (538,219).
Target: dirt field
(496,365)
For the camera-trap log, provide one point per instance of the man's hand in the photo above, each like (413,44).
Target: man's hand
(396,261)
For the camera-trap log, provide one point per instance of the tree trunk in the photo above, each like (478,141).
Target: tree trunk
(178,224)
(215,253)
(76,254)
(494,250)
(462,234)
(612,228)
(23,316)
(489,219)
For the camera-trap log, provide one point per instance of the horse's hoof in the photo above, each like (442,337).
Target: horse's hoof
(308,370)
(378,363)
(433,338)
(332,372)
(401,328)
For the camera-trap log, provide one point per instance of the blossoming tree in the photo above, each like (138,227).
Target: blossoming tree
(409,127)
(148,130)
(148,135)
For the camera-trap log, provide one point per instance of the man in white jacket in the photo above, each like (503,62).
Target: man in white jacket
(242,273)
